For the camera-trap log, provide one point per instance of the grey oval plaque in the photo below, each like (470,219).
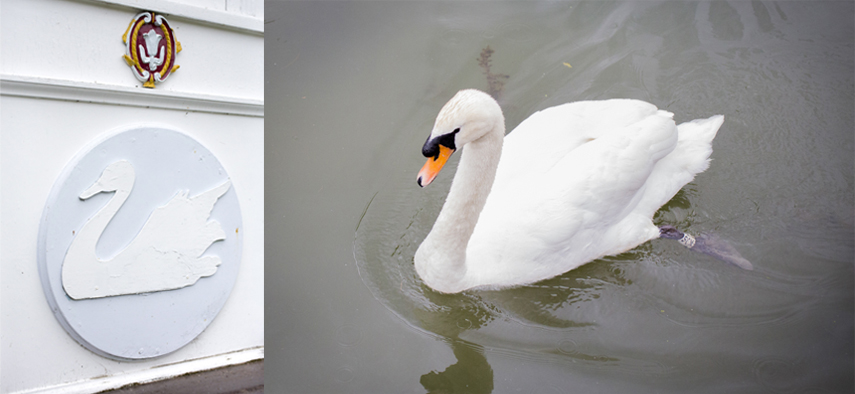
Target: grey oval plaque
(129,232)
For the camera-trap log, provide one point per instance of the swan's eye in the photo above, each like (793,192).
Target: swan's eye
(431,147)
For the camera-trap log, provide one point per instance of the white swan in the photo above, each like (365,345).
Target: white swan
(164,255)
(575,182)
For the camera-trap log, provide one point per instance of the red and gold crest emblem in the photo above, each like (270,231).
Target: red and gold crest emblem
(150,48)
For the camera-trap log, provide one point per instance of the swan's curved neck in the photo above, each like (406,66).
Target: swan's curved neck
(87,239)
(443,263)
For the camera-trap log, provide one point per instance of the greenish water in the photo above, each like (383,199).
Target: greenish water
(352,92)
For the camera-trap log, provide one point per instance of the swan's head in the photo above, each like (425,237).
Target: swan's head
(117,176)
(468,116)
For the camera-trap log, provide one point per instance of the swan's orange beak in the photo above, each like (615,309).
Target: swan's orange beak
(433,166)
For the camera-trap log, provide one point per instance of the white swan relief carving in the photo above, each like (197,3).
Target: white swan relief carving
(166,254)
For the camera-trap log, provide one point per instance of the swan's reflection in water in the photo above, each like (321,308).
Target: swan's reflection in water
(453,316)
(535,321)
(471,374)
(553,321)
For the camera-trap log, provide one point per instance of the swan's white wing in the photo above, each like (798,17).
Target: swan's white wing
(206,200)
(551,215)
(548,136)
(182,224)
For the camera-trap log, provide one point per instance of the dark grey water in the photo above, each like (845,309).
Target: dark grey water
(352,91)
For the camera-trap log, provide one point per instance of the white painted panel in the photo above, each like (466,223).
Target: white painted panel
(246,7)
(119,95)
(211,4)
(37,139)
(154,374)
(247,18)
(82,41)
(64,84)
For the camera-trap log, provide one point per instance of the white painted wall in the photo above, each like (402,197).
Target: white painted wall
(63,83)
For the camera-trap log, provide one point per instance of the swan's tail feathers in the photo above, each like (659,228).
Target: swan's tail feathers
(215,231)
(206,266)
(701,129)
(690,157)
(208,198)
(694,142)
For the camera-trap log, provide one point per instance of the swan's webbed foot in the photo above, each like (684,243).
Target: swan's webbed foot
(670,232)
(707,244)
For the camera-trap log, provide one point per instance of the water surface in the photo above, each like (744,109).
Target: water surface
(355,88)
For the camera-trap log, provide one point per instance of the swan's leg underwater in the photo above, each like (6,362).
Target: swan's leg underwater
(707,244)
